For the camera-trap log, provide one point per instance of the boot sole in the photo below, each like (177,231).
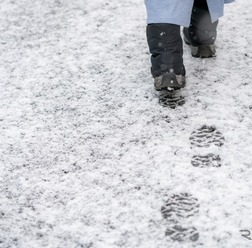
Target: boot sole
(203,51)
(170,80)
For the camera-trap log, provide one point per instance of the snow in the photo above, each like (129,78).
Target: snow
(88,156)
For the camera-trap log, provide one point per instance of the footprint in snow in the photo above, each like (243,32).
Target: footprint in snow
(205,137)
(177,210)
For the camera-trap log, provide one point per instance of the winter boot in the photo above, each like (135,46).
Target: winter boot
(201,33)
(168,71)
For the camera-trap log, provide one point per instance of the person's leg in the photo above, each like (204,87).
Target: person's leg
(166,48)
(164,18)
(201,33)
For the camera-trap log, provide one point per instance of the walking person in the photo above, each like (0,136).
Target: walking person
(199,19)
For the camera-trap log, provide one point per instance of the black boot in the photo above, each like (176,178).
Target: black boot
(201,33)
(166,47)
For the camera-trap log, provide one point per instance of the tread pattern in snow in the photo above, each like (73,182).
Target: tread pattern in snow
(206,136)
(176,210)
(209,160)
(172,100)
(178,233)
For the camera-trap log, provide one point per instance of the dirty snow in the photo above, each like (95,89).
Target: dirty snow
(88,157)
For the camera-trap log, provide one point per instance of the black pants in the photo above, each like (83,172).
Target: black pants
(202,4)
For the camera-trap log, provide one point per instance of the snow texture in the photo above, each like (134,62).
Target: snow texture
(87,155)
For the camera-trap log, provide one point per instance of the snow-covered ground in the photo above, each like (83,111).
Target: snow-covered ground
(87,155)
